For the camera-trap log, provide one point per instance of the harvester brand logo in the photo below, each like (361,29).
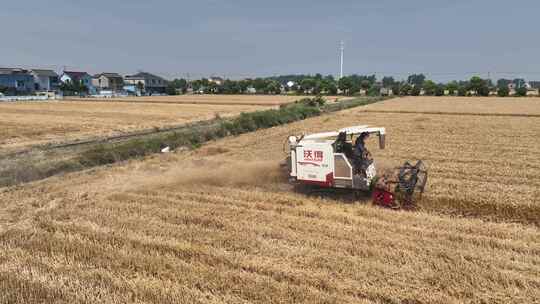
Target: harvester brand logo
(315,156)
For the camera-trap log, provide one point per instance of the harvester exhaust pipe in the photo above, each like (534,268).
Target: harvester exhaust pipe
(382,141)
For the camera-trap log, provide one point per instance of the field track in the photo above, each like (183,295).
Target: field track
(529,106)
(455,113)
(238,100)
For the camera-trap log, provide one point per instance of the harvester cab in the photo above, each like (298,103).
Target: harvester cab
(327,160)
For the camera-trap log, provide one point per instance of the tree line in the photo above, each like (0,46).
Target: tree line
(305,84)
(414,85)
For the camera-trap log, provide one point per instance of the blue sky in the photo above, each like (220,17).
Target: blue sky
(444,39)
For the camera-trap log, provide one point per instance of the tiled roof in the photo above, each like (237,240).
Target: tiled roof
(5,71)
(108,75)
(75,75)
(142,75)
(46,73)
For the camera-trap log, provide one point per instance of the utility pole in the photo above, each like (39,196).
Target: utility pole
(342,49)
(188,82)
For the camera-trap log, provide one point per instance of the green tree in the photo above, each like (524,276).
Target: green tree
(416,79)
(406,89)
(230,87)
(243,85)
(179,85)
(374,91)
(396,89)
(429,87)
(521,92)
(415,91)
(307,85)
(259,84)
(483,91)
(196,85)
(479,85)
(503,91)
(388,82)
(365,84)
(318,86)
(272,87)
(439,91)
(462,90)
(71,88)
(171,90)
(329,86)
(346,85)
(452,87)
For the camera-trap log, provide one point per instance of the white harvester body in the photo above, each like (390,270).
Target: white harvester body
(313,159)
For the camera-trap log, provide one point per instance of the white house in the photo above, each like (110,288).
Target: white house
(83,77)
(386,92)
(45,80)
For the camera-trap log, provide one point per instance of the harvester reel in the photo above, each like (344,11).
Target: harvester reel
(410,182)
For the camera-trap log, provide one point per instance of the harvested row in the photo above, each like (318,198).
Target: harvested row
(205,245)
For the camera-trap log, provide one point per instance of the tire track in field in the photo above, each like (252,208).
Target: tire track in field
(451,113)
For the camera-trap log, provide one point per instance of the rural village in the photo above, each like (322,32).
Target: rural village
(42,84)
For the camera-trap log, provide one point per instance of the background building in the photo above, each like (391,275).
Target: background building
(108,81)
(14,81)
(45,80)
(82,77)
(146,83)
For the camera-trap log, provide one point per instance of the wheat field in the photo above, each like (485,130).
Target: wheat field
(246,100)
(30,123)
(220,224)
(507,106)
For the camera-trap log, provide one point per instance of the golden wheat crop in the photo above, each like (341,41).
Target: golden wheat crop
(27,123)
(220,224)
(461,105)
(254,100)
(486,166)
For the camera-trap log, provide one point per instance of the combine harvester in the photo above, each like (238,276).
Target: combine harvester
(327,160)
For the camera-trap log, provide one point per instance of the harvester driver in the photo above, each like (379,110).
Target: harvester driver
(342,146)
(362,157)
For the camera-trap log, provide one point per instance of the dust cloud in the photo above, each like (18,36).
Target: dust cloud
(219,174)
